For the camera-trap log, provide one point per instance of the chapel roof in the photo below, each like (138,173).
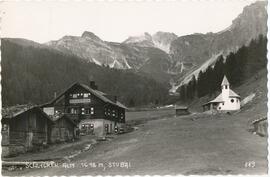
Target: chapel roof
(220,99)
(225,81)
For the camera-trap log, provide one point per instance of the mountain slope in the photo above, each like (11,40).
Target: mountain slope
(238,67)
(197,48)
(160,40)
(257,84)
(198,51)
(32,72)
(182,56)
(91,48)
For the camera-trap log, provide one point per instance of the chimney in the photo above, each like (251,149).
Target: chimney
(54,95)
(93,85)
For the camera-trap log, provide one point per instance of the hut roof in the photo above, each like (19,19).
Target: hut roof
(181,107)
(56,118)
(97,93)
(259,120)
(13,111)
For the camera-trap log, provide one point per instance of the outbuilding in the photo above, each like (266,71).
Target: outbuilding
(181,110)
(63,129)
(261,126)
(24,128)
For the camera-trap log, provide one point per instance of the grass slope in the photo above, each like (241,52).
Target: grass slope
(256,84)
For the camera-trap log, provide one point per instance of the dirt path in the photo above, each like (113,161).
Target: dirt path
(173,146)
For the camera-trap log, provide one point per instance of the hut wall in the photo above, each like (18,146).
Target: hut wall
(261,127)
(62,131)
(99,126)
(181,112)
(26,131)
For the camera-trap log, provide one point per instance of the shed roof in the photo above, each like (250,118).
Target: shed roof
(56,118)
(14,111)
(259,120)
(181,107)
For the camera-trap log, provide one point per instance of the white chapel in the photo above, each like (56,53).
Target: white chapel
(227,100)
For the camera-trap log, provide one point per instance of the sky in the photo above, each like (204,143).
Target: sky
(42,21)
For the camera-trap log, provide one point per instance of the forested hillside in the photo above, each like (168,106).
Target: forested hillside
(238,67)
(32,73)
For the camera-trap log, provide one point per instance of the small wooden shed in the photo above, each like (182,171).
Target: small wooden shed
(63,129)
(181,110)
(24,128)
(261,126)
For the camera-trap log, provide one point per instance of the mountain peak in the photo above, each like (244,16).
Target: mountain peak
(253,14)
(144,40)
(90,35)
(162,33)
(161,40)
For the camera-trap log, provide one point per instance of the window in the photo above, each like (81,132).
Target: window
(73,111)
(106,111)
(219,107)
(82,110)
(77,95)
(232,100)
(107,128)
(85,95)
(92,110)
(226,86)
(5,127)
(223,104)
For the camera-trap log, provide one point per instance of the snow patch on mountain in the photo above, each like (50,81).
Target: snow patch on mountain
(126,63)
(116,64)
(96,62)
(162,46)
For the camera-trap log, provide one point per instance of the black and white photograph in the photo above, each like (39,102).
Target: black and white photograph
(118,87)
